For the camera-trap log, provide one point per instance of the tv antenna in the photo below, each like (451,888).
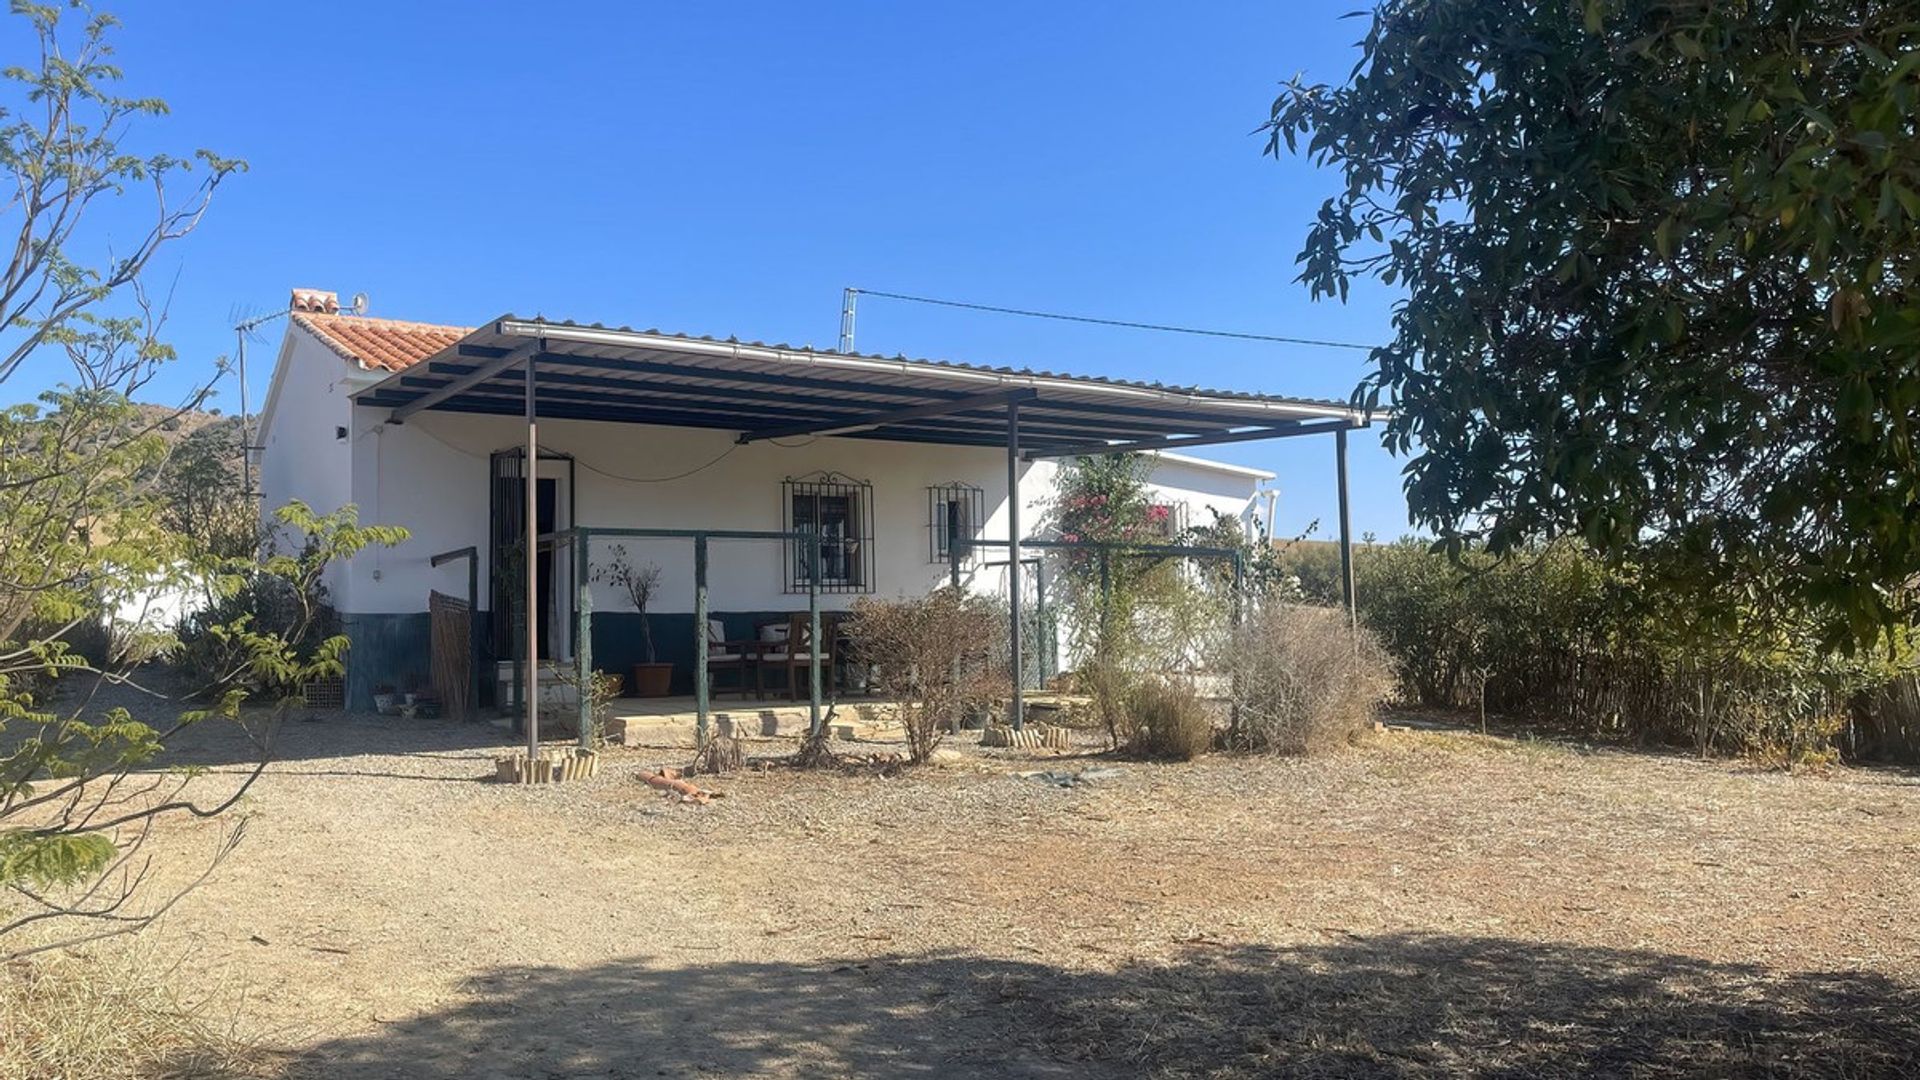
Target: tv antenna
(244,330)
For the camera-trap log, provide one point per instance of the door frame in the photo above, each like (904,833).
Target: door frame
(506,495)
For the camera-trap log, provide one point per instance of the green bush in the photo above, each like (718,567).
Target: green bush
(1135,614)
(211,658)
(1555,636)
(1168,722)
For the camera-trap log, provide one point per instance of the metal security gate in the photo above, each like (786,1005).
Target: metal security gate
(506,568)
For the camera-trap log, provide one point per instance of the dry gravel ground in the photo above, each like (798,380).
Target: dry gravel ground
(1431,904)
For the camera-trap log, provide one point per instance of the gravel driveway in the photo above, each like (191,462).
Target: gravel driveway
(1430,904)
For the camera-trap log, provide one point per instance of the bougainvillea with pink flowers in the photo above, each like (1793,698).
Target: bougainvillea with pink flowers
(1108,591)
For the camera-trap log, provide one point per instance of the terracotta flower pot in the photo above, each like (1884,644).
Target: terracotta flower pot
(652,680)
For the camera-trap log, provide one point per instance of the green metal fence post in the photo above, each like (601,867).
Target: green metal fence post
(1106,601)
(814,644)
(1237,616)
(583,641)
(1239,589)
(474,655)
(1048,652)
(702,688)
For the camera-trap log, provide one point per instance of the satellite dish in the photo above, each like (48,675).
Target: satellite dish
(359,306)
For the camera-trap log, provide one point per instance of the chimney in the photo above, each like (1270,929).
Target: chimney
(315,301)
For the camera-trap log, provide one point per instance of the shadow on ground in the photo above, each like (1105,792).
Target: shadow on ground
(1392,1006)
(303,745)
(156,697)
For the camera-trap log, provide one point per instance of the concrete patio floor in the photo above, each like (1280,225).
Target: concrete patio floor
(673,721)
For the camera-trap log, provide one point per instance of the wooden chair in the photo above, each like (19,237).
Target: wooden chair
(720,658)
(792,650)
(851,675)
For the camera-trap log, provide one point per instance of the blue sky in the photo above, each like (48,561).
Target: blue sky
(727,169)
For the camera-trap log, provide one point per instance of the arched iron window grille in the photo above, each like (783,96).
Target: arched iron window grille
(840,510)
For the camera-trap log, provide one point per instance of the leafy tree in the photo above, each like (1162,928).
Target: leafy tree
(81,791)
(86,525)
(1661,262)
(62,145)
(201,491)
(1136,612)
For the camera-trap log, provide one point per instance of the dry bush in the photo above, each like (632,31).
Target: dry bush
(723,754)
(936,659)
(109,1014)
(1168,722)
(1303,681)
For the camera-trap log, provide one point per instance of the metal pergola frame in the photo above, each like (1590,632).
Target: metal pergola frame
(580,539)
(761,392)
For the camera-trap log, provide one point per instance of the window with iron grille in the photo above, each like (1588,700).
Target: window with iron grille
(1169,520)
(840,511)
(955,513)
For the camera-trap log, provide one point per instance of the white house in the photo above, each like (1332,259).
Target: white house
(426,426)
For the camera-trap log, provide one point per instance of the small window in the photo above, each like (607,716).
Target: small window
(954,513)
(839,511)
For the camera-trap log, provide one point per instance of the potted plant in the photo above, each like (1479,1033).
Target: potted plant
(638,583)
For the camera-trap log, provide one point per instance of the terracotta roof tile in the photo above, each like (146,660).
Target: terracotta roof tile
(385,344)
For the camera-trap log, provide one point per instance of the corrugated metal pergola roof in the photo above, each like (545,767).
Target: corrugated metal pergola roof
(591,372)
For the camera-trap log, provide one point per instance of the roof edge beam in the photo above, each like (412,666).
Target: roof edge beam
(854,424)
(499,364)
(1177,443)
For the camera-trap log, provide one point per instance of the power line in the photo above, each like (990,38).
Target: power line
(1165,329)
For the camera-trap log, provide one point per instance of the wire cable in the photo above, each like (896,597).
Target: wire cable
(590,467)
(658,479)
(1160,327)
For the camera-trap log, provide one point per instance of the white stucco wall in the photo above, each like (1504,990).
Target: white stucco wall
(431,475)
(300,456)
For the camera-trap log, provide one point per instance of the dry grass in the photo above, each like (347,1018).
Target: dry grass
(113,1012)
(1429,904)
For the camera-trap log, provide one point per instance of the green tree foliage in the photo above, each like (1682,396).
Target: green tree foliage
(79,525)
(1661,262)
(1136,612)
(1554,636)
(63,147)
(89,525)
(79,788)
(200,489)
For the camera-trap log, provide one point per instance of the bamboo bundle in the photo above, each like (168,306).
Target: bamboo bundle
(1036,737)
(553,766)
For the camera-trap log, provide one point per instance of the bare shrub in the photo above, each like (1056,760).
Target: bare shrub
(722,754)
(108,1014)
(936,659)
(602,690)
(1168,722)
(1303,681)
